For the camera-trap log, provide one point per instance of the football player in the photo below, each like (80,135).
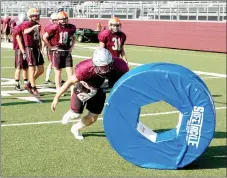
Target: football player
(20,57)
(88,79)
(32,40)
(53,20)
(6,28)
(113,38)
(61,43)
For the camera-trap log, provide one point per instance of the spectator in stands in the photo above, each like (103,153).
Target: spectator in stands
(113,38)
(61,43)
(32,40)
(88,80)
(20,56)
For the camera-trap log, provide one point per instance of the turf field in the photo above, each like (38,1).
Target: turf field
(35,143)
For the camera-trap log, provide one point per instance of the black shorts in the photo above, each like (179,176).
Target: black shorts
(62,59)
(34,56)
(94,104)
(19,62)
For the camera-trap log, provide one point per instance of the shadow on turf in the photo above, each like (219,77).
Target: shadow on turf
(214,157)
(216,95)
(94,134)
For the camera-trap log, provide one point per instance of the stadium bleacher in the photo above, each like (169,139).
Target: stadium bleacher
(153,10)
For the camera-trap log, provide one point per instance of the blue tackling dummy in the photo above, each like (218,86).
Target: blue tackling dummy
(150,83)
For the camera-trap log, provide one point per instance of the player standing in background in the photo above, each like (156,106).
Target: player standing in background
(88,79)
(12,25)
(6,28)
(20,56)
(113,38)
(61,43)
(32,40)
(53,20)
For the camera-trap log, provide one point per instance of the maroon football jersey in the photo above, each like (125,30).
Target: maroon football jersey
(61,36)
(6,22)
(17,31)
(12,24)
(31,39)
(113,41)
(85,71)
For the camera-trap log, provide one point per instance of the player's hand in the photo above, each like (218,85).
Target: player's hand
(54,48)
(54,104)
(36,27)
(24,56)
(70,49)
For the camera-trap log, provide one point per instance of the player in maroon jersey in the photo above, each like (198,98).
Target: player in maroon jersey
(53,20)
(32,40)
(88,80)
(61,42)
(6,28)
(12,25)
(20,57)
(113,38)
(1,25)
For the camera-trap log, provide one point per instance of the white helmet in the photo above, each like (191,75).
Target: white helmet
(103,60)
(21,18)
(53,16)
(5,16)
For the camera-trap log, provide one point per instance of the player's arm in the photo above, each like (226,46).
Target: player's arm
(45,39)
(43,45)
(29,30)
(72,80)
(6,26)
(73,43)
(123,55)
(20,44)
(101,44)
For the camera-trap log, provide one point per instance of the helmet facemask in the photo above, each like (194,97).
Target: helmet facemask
(35,18)
(115,27)
(114,24)
(103,70)
(63,21)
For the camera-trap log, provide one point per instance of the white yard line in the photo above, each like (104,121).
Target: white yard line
(54,122)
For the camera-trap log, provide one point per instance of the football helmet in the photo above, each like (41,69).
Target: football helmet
(114,24)
(33,14)
(62,15)
(53,17)
(21,18)
(102,60)
(5,16)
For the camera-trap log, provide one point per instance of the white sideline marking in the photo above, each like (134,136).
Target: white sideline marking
(53,122)
(9,45)
(138,64)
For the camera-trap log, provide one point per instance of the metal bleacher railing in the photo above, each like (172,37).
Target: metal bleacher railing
(146,10)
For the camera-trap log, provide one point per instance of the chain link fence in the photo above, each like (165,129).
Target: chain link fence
(144,10)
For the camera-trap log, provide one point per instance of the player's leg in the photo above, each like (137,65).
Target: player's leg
(25,72)
(69,69)
(75,111)
(94,106)
(17,79)
(58,65)
(17,69)
(49,68)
